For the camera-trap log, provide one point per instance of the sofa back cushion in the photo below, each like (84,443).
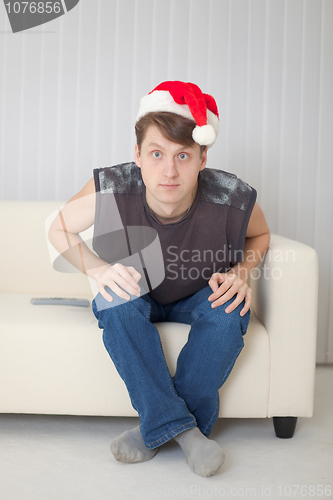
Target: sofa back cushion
(25,262)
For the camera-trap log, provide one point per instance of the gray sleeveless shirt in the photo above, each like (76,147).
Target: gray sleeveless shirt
(175,260)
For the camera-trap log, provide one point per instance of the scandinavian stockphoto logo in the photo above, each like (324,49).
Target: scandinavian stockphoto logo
(23,15)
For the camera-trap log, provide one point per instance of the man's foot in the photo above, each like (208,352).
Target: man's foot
(203,455)
(129,447)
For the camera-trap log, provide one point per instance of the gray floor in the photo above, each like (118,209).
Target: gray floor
(68,458)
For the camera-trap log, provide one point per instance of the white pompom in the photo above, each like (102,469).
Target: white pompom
(205,135)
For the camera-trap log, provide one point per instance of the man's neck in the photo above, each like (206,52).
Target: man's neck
(167,213)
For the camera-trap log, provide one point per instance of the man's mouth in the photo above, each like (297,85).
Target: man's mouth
(169,186)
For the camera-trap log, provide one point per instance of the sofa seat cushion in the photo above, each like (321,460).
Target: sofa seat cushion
(53,361)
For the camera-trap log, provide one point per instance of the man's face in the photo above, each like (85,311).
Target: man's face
(169,170)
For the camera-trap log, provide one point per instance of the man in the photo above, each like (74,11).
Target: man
(206,231)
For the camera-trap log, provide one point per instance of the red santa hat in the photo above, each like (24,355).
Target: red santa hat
(185,99)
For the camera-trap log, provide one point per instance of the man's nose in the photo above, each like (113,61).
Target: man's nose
(170,169)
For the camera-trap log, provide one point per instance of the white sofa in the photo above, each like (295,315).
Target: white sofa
(53,361)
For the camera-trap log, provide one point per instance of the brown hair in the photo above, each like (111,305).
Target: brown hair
(174,127)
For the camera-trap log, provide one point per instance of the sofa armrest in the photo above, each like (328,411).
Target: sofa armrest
(285,299)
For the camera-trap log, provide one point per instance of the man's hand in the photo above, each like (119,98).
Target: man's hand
(225,286)
(117,276)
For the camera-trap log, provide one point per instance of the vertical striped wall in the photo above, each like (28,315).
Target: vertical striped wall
(70,91)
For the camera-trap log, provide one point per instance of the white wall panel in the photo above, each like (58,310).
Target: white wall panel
(218,72)
(273,91)
(290,115)
(70,91)
(255,92)
(324,199)
(197,64)
(309,123)
(104,93)
(69,59)
(237,87)
(161,32)
(48,107)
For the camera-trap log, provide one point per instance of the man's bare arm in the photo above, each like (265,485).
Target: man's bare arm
(76,216)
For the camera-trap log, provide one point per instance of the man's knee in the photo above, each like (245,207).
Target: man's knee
(223,319)
(118,308)
(234,317)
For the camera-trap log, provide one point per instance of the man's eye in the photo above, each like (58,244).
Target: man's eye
(183,156)
(157,154)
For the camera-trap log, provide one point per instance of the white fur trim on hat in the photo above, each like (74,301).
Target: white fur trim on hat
(161,100)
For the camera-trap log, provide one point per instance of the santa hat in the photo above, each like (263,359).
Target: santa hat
(185,99)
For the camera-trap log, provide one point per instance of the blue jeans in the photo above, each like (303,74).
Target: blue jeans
(169,405)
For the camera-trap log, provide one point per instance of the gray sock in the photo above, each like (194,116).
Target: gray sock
(203,455)
(129,447)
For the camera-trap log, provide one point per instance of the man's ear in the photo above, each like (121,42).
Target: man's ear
(204,159)
(137,155)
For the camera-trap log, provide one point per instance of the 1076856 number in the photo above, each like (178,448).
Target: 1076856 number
(34,7)
(305,491)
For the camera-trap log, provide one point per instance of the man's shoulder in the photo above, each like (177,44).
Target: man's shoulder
(124,178)
(224,188)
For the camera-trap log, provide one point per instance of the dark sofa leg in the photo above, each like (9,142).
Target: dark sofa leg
(284,426)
